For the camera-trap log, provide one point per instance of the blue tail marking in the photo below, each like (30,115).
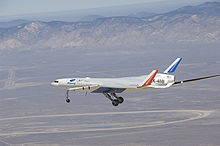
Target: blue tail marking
(173,68)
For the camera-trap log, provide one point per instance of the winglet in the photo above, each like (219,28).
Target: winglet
(173,66)
(150,78)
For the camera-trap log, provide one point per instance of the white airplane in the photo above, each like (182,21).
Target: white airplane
(110,86)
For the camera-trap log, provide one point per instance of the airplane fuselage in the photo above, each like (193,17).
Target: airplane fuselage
(113,85)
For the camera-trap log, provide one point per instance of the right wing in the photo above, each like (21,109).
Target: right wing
(196,79)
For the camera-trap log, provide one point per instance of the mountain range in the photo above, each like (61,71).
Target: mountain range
(190,24)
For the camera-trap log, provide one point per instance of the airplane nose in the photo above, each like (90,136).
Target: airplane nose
(54,83)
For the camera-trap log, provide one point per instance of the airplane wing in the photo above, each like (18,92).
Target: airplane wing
(114,89)
(109,90)
(196,79)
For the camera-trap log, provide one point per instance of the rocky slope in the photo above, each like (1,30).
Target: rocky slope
(190,24)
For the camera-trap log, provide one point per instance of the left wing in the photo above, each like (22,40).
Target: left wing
(196,79)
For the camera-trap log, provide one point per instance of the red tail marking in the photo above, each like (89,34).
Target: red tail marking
(150,80)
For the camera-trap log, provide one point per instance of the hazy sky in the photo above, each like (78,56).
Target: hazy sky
(17,7)
(14,7)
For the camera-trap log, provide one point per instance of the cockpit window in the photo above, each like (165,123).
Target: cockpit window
(56,81)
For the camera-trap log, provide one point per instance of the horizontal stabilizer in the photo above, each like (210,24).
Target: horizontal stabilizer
(196,79)
(173,66)
(149,79)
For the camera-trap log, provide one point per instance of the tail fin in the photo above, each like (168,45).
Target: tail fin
(173,66)
(149,79)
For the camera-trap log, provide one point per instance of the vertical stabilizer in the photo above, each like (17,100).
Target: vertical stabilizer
(149,79)
(173,66)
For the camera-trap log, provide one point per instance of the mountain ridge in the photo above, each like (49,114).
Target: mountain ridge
(189,24)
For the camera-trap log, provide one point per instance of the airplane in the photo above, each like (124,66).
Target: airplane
(110,86)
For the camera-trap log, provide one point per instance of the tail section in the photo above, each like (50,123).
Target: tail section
(149,79)
(173,66)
